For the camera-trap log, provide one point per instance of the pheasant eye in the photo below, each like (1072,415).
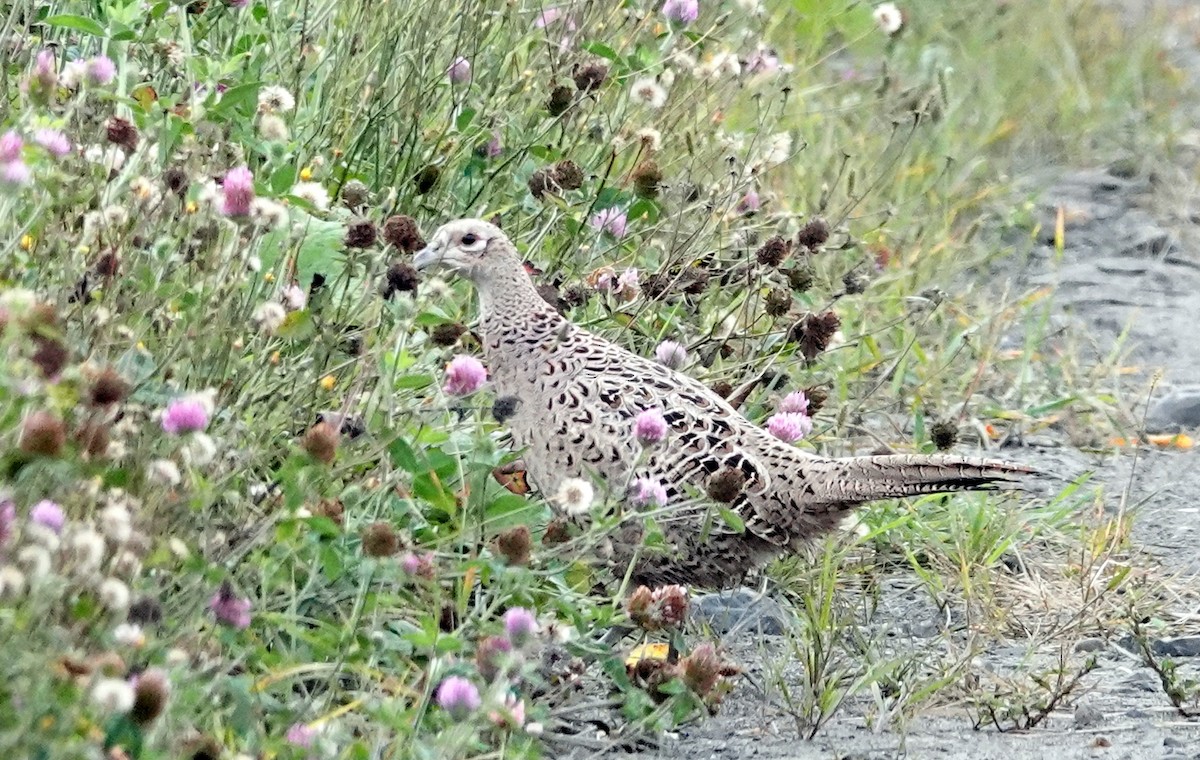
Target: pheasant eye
(469,239)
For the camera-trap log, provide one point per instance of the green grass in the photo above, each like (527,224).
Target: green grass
(906,145)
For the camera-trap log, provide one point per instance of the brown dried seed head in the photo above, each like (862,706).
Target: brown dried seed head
(854,282)
(50,356)
(539,183)
(515,545)
(773,252)
(402,232)
(722,388)
(560,99)
(701,669)
(725,485)
(427,179)
(361,233)
(321,442)
(122,132)
(176,180)
(149,696)
(401,278)
(568,175)
(646,178)
(814,331)
(355,194)
(638,605)
(589,77)
(43,434)
(332,509)
(490,655)
(93,439)
(944,434)
(813,234)
(779,301)
(558,531)
(577,295)
(379,540)
(108,265)
(817,396)
(672,604)
(446,334)
(800,278)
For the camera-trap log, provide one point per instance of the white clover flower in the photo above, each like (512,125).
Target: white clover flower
(114,594)
(269,316)
(164,472)
(199,450)
(575,496)
(777,149)
(129,635)
(651,138)
(313,192)
(269,215)
(113,695)
(111,158)
(12,582)
(275,99)
(889,18)
(35,560)
(116,523)
(86,549)
(294,297)
(648,92)
(272,127)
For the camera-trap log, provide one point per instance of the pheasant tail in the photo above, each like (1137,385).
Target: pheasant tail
(846,483)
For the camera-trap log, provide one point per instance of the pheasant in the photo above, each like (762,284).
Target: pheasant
(579,395)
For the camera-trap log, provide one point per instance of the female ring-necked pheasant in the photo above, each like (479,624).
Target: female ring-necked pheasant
(580,393)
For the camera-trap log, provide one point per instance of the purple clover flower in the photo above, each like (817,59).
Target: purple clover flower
(464,376)
(459,697)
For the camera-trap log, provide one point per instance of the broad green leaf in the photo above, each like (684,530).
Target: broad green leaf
(78,23)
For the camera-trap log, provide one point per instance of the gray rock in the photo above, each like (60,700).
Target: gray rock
(1177,411)
(740,611)
(1087,715)
(1090,645)
(1183,646)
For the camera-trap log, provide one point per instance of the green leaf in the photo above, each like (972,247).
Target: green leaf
(732,519)
(235,98)
(78,23)
(403,456)
(124,733)
(414,381)
(297,325)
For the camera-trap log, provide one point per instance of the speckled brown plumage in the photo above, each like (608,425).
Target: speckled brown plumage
(580,394)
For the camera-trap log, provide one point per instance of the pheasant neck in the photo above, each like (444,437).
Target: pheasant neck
(510,306)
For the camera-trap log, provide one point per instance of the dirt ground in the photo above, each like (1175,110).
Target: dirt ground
(1131,264)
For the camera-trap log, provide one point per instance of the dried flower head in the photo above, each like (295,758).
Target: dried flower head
(50,356)
(779,302)
(855,282)
(515,545)
(749,204)
(646,178)
(665,607)
(321,442)
(176,180)
(446,333)
(589,77)
(539,182)
(379,540)
(800,278)
(813,234)
(944,434)
(360,233)
(419,565)
(558,531)
(505,407)
(401,278)
(42,434)
(773,252)
(726,484)
(701,669)
(561,97)
(402,232)
(427,179)
(355,194)
(275,99)
(122,132)
(567,175)
(151,691)
(814,331)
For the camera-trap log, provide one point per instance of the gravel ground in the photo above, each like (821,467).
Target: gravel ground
(1141,234)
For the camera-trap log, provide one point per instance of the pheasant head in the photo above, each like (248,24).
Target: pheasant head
(474,249)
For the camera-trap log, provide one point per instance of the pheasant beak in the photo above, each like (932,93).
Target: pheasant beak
(427,257)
